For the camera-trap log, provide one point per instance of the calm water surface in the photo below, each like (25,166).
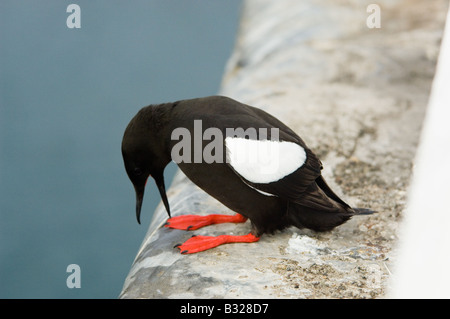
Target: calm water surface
(66,98)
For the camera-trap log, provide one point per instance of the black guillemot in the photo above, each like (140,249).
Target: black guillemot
(245,158)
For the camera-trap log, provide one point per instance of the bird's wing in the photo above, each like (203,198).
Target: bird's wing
(285,167)
(282,168)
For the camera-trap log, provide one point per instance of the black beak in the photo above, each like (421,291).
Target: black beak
(159,179)
(139,198)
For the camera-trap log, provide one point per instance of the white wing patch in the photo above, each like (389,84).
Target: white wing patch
(258,190)
(264,161)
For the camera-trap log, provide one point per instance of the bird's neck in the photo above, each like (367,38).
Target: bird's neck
(158,123)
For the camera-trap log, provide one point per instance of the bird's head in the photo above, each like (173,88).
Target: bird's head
(144,156)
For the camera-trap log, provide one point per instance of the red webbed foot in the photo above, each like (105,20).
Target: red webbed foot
(202,243)
(192,222)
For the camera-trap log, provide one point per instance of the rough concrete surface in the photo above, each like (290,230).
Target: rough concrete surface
(357,96)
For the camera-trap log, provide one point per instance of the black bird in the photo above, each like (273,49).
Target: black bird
(242,156)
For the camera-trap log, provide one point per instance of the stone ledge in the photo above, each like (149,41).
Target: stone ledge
(357,96)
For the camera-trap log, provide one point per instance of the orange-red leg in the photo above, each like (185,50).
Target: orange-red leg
(193,222)
(202,243)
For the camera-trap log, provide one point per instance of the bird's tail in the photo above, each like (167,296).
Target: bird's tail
(316,219)
(321,220)
(320,209)
(364,211)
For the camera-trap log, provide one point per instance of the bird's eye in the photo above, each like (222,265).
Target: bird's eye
(137,171)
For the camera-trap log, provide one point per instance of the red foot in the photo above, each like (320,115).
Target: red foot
(192,222)
(202,243)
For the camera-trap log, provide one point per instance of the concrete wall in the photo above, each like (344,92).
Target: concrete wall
(357,96)
(424,261)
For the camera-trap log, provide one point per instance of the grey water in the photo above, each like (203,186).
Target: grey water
(66,96)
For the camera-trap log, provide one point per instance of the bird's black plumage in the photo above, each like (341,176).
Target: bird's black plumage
(301,198)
